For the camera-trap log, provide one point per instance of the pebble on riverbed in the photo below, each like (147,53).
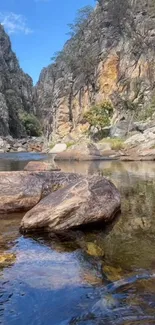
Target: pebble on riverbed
(6,259)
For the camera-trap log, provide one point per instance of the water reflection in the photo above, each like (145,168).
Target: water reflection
(102,276)
(17,161)
(144,169)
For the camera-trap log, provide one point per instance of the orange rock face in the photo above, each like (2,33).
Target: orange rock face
(109,75)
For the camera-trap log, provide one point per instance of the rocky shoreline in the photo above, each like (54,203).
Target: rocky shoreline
(138,145)
(28,144)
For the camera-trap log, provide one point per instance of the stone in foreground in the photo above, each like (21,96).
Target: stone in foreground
(87,201)
(22,190)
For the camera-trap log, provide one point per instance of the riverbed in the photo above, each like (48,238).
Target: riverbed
(100,277)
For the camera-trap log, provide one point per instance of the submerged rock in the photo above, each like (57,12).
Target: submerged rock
(86,201)
(94,250)
(41,166)
(113,273)
(107,303)
(6,259)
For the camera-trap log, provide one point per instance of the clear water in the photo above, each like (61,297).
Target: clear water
(17,161)
(99,277)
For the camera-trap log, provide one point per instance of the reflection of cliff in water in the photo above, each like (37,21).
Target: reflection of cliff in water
(132,239)
(145,169)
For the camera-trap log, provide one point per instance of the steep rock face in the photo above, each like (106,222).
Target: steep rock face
(15,90)
(124,73)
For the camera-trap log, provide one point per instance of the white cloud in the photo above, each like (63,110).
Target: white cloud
(14,23)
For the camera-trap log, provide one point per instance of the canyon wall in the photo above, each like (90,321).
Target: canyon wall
(16,91)
(122,50)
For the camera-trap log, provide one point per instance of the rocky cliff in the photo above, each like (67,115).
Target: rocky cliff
(119,40)
(15,91)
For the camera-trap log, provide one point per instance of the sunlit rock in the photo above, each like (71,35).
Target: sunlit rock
(90,200)
(20,191)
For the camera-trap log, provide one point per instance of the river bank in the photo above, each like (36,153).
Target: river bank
(29,144)
(138,145)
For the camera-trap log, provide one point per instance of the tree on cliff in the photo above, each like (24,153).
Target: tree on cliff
(78,55)
(117,12)
(81,20)
(99,115)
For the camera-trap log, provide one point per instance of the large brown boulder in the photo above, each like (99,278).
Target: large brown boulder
(21,191)
(87,201)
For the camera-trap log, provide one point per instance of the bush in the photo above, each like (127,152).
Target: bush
(51,145)
(145,114)
(116,143)
(69,144)
(99,115)
(31,124)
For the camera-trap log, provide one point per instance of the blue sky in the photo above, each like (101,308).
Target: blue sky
(38,28)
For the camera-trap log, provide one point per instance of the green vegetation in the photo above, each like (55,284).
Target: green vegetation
(52,145)
(116,143)
(148,112)
(69,144)
(31,124)
(145,114)
(81,20)
(99,115)
(129,105)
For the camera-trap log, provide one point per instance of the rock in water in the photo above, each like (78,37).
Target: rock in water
(41,166)
(94,250)
(21,191)
(89,200)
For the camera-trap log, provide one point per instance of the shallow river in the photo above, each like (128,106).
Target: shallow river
(103,277)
